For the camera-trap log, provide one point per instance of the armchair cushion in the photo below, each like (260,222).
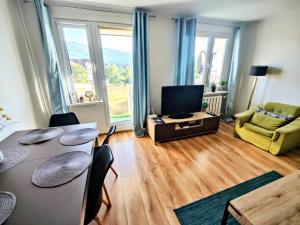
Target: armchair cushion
(266,121)
(259,130)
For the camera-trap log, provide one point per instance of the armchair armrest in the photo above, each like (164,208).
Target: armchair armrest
(286,138)
(292,127)
(244,116)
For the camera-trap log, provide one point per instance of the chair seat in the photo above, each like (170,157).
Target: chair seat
(259,130)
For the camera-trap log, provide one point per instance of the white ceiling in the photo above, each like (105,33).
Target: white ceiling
(237,10)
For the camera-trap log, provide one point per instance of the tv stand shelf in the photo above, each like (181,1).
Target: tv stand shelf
(165,128)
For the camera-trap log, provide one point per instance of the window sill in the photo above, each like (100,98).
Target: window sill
(208,93)
(86,103)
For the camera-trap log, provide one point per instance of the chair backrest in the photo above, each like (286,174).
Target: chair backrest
(102,161)
(64,119)
(111,131)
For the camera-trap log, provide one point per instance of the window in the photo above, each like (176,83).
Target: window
(201,48)
(78,54)
(217,61)
(211,58)
(116,42)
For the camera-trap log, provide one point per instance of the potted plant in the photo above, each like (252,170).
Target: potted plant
(223,85)
(204,106)
(213,87)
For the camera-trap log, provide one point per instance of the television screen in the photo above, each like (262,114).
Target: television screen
(181,99)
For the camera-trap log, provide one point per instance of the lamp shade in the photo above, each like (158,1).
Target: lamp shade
(258,70)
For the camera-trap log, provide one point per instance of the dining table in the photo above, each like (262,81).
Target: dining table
(63,204)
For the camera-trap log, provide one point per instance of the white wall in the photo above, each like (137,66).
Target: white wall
(35,40)
(15,95)
(162,42)
(275,42)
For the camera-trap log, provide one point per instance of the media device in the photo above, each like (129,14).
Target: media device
(181,101)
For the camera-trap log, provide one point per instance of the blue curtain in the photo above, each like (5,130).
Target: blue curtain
(185,59)
(235,72)
(54,77)
(141,102)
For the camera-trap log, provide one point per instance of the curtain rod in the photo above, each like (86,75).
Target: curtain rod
(220,23)
(85,7)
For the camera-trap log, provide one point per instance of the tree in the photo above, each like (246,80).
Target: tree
(118,74)
(79,74)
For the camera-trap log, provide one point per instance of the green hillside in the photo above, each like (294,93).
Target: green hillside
(111,56)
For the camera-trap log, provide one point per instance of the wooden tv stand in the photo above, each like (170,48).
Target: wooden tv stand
(165,129)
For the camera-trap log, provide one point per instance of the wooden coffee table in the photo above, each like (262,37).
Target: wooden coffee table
(275,203)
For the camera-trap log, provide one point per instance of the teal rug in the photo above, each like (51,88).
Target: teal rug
(209,210)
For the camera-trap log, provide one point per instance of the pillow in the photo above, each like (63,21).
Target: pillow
(266,121)
(275,115)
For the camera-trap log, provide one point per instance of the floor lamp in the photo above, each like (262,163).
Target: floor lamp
(256,71)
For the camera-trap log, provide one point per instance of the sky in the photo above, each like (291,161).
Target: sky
(79,35)
(120,43)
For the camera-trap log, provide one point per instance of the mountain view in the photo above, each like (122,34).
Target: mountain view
(80,51)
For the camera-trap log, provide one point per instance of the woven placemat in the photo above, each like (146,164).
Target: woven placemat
(40,135)
(79,137)
(7,204)
(61,169)
(12,157)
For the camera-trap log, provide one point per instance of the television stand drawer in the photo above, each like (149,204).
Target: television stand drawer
(188,125)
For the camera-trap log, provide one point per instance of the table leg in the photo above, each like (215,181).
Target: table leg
(96,142)
(225,214)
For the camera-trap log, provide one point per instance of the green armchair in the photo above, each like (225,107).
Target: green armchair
(276,140)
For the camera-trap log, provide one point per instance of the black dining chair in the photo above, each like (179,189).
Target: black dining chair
(102,160)
(64,119)
(111,131)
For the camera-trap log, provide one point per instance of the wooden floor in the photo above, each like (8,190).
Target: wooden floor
(155,179)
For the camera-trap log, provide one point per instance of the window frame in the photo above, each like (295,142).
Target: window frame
(66,66)
(96,57)
(99,46)
(212,35)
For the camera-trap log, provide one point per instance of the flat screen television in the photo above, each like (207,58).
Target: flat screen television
(180,101)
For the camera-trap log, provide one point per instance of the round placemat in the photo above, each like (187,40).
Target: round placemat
(79,136)
(7,204)
(40,135)
(61,169)
(12,157)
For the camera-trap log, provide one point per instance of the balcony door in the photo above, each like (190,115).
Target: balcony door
(97,57)
(116,42)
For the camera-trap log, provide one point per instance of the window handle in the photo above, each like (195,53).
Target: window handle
(94,67)
(103,83)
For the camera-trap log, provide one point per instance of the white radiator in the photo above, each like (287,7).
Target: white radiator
(214,103)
